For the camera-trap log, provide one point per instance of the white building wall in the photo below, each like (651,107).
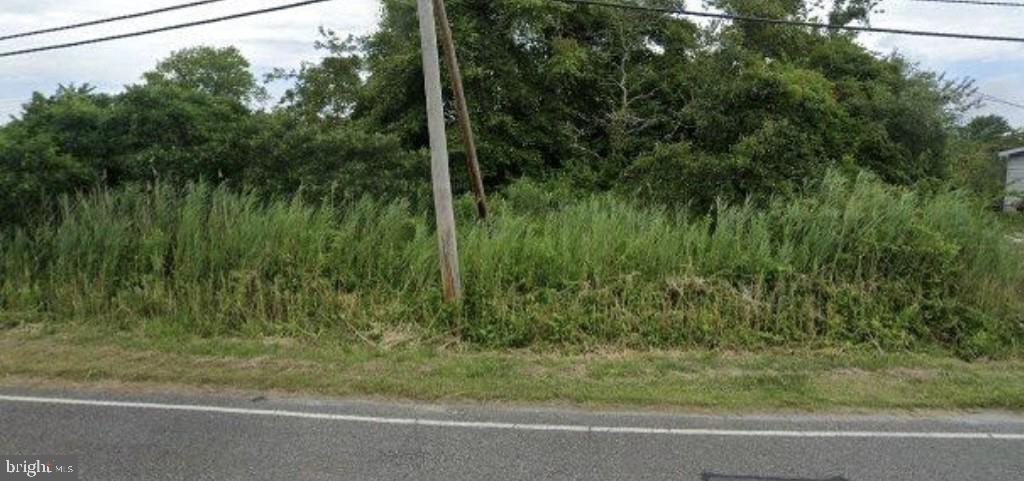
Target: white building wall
(1014,182)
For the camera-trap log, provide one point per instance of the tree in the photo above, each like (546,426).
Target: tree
(328,90)
(607,99)
(975,146)
(34,174)
(342,162)
(74,120)
(172,133)
(588,91)
(987,128)
(221,72)
(182,126)
(545,82)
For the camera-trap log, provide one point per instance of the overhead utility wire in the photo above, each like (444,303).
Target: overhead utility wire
(986,3)
(101,21)
(796,23)
(998,100)
(161,29)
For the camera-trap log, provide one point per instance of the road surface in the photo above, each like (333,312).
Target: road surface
(125,436)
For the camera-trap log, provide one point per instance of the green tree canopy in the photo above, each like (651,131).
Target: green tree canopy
(987,128)
(685,113)
(328,90)
(221,72)
(587,92)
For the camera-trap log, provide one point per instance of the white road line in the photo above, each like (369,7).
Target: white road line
(520,427)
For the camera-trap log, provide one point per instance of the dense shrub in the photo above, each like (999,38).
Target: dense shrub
(856,264)
(341,162)
(33,172)
(76,140)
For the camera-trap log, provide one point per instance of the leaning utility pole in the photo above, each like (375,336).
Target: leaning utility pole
(468,142)
(439,155)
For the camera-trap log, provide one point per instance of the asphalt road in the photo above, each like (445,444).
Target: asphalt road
(120,436)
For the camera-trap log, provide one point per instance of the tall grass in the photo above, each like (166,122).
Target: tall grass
(857,263)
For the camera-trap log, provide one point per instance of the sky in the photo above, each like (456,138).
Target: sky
(285,39)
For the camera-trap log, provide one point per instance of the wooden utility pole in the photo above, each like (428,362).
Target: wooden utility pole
(439,155)
(469,143)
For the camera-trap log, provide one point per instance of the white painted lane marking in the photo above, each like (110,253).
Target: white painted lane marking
(520,427)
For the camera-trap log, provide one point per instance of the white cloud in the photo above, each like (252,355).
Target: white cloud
(994,65)
(948,17)
(1007,87)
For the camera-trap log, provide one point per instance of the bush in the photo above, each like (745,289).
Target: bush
(33,173)
(341,161)
(677,175)
(857,263)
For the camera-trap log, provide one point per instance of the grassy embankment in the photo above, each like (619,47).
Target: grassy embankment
(695,379)
(216,288)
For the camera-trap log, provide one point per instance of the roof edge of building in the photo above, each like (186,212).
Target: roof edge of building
(1012,152)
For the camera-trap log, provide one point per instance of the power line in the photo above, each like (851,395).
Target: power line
(109,19)
(986,3)
(993,98)
(795,23)
(162,29)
